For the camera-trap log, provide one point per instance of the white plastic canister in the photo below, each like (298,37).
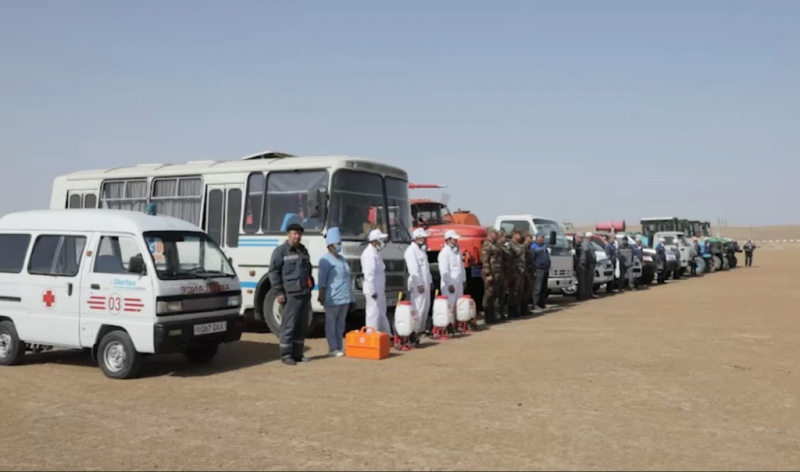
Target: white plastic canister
(441,312)
(403,319)
(465,308)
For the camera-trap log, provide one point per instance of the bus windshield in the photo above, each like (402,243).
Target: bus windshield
(359,204)
(545,227)
(186,255)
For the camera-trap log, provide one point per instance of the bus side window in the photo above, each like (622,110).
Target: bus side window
(234,216)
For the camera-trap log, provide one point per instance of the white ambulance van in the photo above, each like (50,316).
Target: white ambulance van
(121,284)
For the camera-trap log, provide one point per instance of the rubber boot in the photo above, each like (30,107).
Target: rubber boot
(488,315)
(297,353)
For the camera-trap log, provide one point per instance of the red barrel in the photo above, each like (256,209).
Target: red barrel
(615,226)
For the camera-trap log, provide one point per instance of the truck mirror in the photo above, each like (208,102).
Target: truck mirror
(317,203)
(553,237)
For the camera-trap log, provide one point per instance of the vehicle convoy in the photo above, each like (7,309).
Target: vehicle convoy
(719,259)
(561,269)
(643,271)
(437,219)
(120,284)
(246,206)
(603,271)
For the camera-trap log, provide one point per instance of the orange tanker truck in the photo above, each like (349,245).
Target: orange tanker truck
(437,219)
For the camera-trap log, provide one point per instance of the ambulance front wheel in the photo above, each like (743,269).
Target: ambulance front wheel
(201,354)
(11,348)
(117,356)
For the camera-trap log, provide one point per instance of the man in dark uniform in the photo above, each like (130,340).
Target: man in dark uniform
(541,260)
(748,253)
(625,256)
(518,274)
(611,252)
(580,274)
(588,261)
(508,276)
(291,280)
(661,257)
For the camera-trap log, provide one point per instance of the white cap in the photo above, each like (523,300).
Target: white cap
(419,233)
(377,235)
(451,235)
(588,234)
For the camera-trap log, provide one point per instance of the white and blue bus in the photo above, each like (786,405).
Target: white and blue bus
(246,205)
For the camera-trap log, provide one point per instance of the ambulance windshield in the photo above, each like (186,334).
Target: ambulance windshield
(187,255)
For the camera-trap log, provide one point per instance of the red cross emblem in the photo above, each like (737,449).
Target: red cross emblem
(48,299)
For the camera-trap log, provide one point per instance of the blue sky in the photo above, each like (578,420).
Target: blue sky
(582,111)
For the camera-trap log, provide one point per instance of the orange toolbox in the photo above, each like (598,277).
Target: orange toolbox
(367,344)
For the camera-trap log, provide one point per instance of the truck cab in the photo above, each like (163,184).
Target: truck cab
(120,284)
(561,269)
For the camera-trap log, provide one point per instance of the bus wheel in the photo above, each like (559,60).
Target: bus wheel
(117,356)
(11,348)
(272,313)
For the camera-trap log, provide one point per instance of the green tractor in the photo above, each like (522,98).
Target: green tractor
(719,260)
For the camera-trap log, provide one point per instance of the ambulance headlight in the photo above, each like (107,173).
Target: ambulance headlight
(235,301)
(165,308)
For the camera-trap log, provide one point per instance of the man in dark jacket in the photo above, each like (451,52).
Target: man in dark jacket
(611,252)
(541,260)
(661,256)
(748,253)
(577,246)
(291,280)
(625,255)
(589,263)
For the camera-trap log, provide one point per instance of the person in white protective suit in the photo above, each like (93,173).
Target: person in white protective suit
(419,278)
(374,287)
(451,270)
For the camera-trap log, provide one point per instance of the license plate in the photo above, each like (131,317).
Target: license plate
(210,328)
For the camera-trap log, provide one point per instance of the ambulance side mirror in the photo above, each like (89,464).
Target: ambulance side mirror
(553,238)
(317,203)
(137,266)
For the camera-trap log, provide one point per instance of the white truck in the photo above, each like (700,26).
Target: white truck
(119,284)
(679,248)
(561,273)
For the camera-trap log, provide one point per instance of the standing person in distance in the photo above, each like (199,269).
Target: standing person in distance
(541,260)
(517,252)
(611,252)
(492,274)
(335,292)
(661,255)
(419,278)
(290,277)
(589,262)
(625,256)
(580,270)
(374,287)
(508,275)
(748,253)
(530,275)
(451,270)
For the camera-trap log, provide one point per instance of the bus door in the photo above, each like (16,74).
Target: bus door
(81,199)
(223,215)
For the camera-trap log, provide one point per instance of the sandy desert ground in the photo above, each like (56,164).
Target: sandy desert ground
(698,374)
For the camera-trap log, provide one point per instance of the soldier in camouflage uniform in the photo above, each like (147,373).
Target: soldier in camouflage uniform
(508,275)
(516,274)
(492,274)
(530,275)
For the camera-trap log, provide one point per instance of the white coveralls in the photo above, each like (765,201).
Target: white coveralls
(419,274)
(451,272)
(375,283)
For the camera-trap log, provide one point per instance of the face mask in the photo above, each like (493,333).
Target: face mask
(337,248)
(380,246)
(422,246)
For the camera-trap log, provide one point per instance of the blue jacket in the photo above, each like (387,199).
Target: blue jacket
(661,251)
(637,252)
(611,252)
(541,258)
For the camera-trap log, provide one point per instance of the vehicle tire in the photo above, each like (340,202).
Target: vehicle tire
(717,263)
(271,310)
(734,261)
(12,349)
(202,354)
(117,356)
(701,265)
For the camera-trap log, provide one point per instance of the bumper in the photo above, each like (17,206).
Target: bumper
(559,283)
(175,336)
(603,276)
